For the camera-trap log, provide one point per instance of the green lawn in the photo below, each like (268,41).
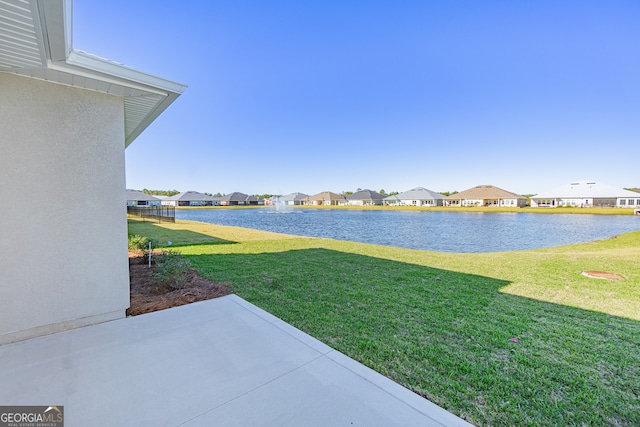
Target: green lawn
(440,324)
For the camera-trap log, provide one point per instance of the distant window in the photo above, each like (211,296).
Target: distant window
(631,201)
(623,202)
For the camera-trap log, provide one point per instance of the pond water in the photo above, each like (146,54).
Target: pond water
(427,230)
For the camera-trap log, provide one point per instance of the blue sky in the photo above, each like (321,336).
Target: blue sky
(335,95)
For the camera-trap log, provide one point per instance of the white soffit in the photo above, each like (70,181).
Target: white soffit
(35,41)
(20,45)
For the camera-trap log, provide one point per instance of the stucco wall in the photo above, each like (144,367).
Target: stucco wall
(63,248)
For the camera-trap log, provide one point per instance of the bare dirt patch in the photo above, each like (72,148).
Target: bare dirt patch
(148,294)
(602,275)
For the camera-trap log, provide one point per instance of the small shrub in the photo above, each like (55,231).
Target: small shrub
(171,268)
(139,243)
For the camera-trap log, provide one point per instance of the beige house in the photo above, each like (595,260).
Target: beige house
(326,198)
(486,195)
(67,117)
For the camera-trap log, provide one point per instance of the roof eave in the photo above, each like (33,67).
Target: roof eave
(146,96)
(127,75)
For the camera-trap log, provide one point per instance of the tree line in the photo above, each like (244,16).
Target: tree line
(344,193)
(170,193)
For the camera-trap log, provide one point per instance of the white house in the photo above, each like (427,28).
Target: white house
(486,195)
(587,194)
(138,198)
(66,118)
(293,199)
(418,196)
(364,198)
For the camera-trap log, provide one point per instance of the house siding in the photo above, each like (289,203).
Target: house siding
(63,250)
(585,202)
(421,202)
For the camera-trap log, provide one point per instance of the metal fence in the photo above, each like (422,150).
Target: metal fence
(158,213)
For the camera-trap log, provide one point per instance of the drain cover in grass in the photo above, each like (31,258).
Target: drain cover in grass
(602,275)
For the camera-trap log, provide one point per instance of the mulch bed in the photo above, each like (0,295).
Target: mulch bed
(602,275)
(148,295)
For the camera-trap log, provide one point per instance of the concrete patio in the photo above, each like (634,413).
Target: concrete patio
(222,362)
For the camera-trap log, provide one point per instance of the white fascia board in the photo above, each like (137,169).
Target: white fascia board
(65,67)
(125,75)
(55,21)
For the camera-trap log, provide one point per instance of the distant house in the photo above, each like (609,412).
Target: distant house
(486,195)
(418,196)
(293,199)
(587,194)
(138,198)
(191,198)
(238,199)
(364,198)
(326,198)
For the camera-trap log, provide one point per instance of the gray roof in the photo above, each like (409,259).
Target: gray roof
(35,42)
(139,196)
(191,196)
(237,197)
(293,196)
(365,195)
(418,193)
(586,189)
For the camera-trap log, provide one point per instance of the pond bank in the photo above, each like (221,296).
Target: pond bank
(583,211)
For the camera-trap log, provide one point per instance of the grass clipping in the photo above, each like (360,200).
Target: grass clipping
(602,275)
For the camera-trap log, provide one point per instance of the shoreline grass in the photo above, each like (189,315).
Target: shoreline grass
(187,208)
(475,209)
(441,324)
